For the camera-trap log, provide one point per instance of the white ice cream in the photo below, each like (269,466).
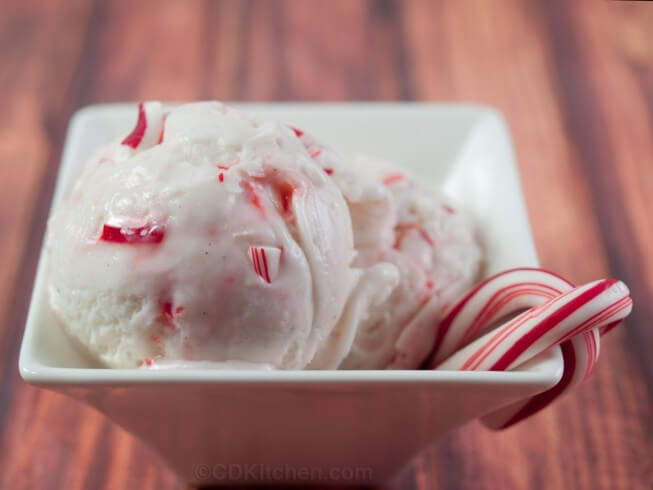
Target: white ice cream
(159,252)
(407,224)
(417,253)
(212,239)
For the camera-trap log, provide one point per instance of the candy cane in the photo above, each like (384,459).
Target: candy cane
(495,297)
(593,305)
(149,127)
(559,314)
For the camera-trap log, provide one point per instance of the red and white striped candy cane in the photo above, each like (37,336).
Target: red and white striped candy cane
(149,127)
(593,305)
(559,315)
(497,296)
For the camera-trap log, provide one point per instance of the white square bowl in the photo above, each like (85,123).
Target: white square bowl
(215,426)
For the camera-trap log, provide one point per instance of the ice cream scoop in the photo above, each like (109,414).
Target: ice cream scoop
(416,253)
(202,236)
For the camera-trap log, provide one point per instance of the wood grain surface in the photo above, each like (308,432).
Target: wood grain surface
(574,80)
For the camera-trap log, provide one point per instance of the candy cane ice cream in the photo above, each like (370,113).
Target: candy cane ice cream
(205,237)
(417,250)
(202,236)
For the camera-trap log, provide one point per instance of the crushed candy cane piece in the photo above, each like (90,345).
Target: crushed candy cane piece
(135,235)
(265,261)
(149,127)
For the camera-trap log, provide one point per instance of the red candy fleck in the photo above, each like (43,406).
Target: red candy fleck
(265,265)
(136,235)
(401,233)
(429,284)
(392,178)
(448,209)
(284,189)
(163,128)
(298,132)
(167,310)
(328,170)
(314,151)
(285,193)
(136,136)
(253,196)
(425,236)
(148,362)
(221,175)
(168,313)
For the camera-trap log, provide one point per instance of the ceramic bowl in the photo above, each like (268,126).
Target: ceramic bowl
(337,427)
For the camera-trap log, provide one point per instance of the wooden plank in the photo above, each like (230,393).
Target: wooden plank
(30,142)
(575,83)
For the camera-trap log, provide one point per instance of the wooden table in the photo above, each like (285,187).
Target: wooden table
(574,80)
